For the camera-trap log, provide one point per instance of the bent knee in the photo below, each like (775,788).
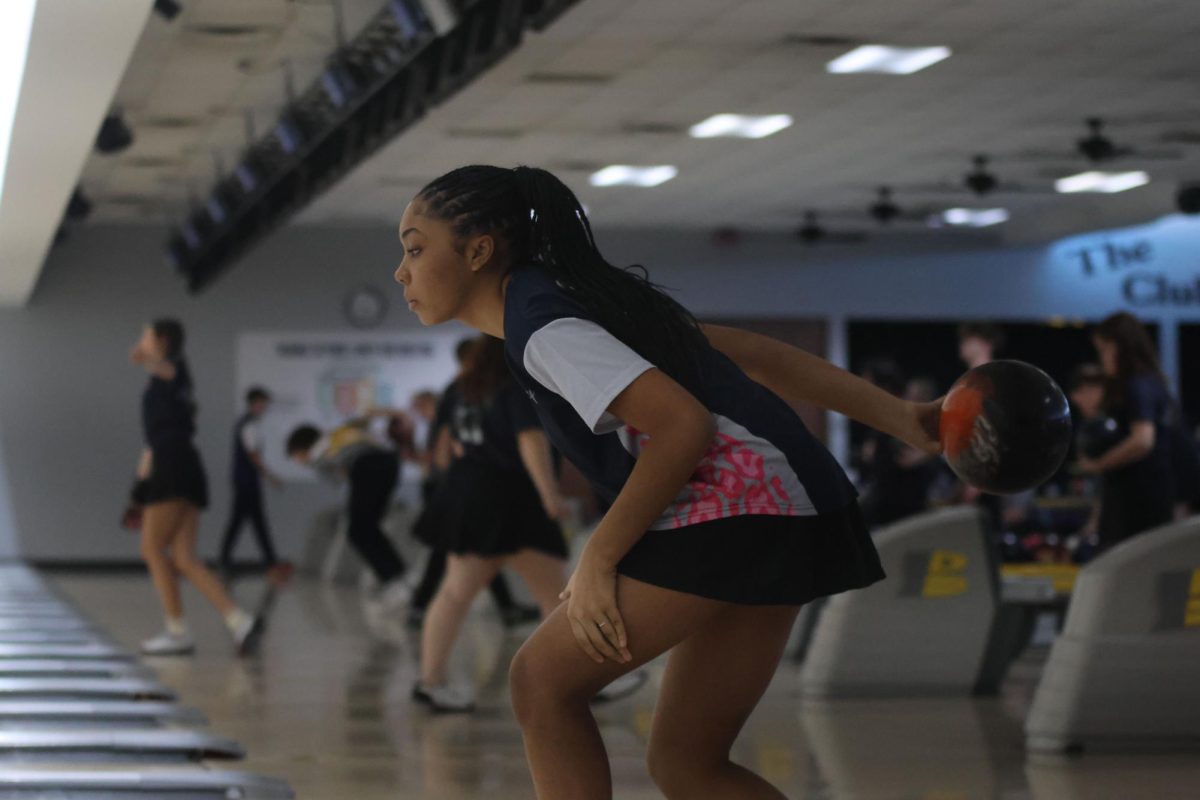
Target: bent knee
(544,686)
(523,683)
(537,688)
(675,770)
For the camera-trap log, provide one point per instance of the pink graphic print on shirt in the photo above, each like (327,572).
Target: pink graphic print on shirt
(730,480)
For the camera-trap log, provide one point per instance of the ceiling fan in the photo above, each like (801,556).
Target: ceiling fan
(1098,148)
(812,232)
(980,181)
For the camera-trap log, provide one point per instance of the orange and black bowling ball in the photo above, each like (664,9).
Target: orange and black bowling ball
(1005,427)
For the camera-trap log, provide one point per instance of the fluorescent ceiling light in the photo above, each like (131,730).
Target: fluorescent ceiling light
(623,175)
(16,22)
(740,125)
(888,60)
(1106,182)
(972,217)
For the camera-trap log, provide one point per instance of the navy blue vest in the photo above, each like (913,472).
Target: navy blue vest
(245,473)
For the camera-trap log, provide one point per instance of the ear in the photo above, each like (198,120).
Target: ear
(479,251)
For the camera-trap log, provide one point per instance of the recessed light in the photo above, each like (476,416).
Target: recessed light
(970,217)
(1104,182)
(888,60)
(624,175)
(740,125)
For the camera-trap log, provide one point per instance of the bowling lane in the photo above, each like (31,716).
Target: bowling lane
(325,706)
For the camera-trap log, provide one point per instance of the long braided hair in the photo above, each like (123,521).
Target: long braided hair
(545,228)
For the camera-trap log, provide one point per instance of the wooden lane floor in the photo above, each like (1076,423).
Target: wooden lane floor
(324,706)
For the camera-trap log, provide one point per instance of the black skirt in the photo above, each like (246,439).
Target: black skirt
(759,559)
(480,509)
(176,473)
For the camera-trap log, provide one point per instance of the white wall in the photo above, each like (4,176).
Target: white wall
(68,398)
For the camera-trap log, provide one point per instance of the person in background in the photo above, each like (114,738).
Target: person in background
(1095,433)
(501,503)
(424,410)
(886,374)
(978,343)
(897,477)
(439,452)
(1137,484)
(249,470)
(372,471)
(1087,395)
(173,489)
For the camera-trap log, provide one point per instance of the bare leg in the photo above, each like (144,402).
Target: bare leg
(183,555)
(714,679)
(544,574)
(160,522)
(466,576)
(553,682)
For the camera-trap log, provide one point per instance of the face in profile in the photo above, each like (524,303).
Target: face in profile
(149,348)
(435,272)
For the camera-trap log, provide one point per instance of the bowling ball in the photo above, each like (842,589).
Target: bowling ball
(1005,427)
(1097,436)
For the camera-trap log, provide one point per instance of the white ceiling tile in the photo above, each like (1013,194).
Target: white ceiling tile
(1024,75)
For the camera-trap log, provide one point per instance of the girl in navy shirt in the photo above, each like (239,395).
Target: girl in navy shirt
(499,502)
(174,490)
(1137,484)
(726,514)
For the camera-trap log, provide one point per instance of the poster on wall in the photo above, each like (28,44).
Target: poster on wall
(326,378)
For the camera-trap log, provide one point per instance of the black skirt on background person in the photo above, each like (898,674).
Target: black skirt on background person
(176,473)
(486,503)
(487,511)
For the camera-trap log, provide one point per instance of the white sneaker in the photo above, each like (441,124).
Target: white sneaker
(245,634)
(621,688)
(443,699)
(394,595)
(169,644)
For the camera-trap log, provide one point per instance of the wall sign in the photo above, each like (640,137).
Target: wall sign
(1139,288)
(326,377)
